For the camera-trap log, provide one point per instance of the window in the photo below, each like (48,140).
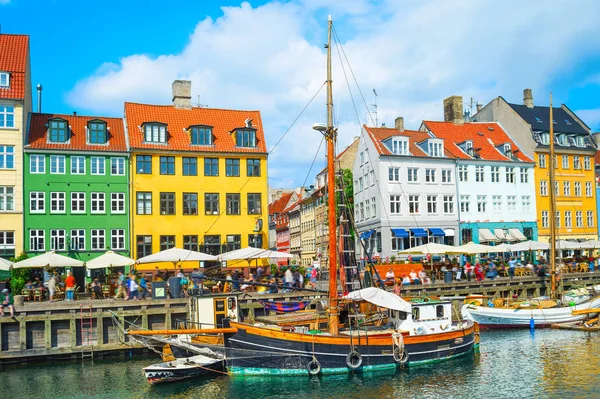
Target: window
(117,203)
(57,164)
(77,165)
(362,211)
(400,146)
(37,164)
(544,137)
(166,242)
(78,239)
(143,166)
(167,165)
(413,204)
(373,207)
(413,175)
(497,203)
(4,79)
(57,131)
(7,157)
(57,203)
(97,132)
(98,202)
(190,166)
(543,188)
(562,138)
(167,203)
(435,149)
(568,220)
(246,138)
(201,135)
(211,204)
(479,174)
(430,175)
(255,240)
(117,239)
(211,167)
(526,201)
(577,189)
(511,203)
(495,174)
(7,116)
(576,162)
(590,218)
(507,151)
(372,173)
(254,204)
(579,218)
(448,204)
(98,240)
(190,203)
(233,204)
(190,242)
(144,246)
(524,175)
(393,174)
(481,203)
(588,189)
(567,188)
(362,158)
(557,218)
(360,184)
(395,205)
(432,204)
(545,220)
(253,167)
(7,243)
(462,173)
(367,179)
(7,198)
(37,202)
(117,166)
(232,167)
(368,208)
(565,161)
(587,165)
(155,133)
(446,175)
(77,202)
(234,241)
(58,240)
(97,165)
(37,240)
(542,160)
(469,147)
(510,175)
(144,203)
(464,203)
(556,188)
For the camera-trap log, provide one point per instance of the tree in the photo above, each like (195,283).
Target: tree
(346,182)
(18,277)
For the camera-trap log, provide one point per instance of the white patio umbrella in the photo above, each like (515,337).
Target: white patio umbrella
(502,248)
(563,244)
(5,264)
(472,248)
(380,298)
(109,259)
(176,255)
(591,244)
(530,246)
(254,253)
(431,249)
(49,259)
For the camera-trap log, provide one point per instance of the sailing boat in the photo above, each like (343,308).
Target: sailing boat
(529,317)
(416,332)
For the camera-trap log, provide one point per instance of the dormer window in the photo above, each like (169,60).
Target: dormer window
(469,147)
(545,138)
(579,141)
(58,131)
(201,135)
(246,138)
(400,146)
(4,79)
(562,139)
(434,148)
(507,150)
(155,133)
(97,132)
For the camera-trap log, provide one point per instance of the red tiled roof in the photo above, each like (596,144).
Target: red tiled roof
(597,158)
(223,122)
(378,134)
(480,134)
(279,205)
(14,51)
(38,130)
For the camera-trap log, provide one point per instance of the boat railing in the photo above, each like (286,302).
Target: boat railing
(185,324)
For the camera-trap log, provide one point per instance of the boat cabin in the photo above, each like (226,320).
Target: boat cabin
(425,317)
(208,311)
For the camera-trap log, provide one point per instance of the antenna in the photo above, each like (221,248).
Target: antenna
(375,108)
(201,105)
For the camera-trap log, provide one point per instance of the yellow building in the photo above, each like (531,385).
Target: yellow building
(198,178)
(15,104)
(308,231)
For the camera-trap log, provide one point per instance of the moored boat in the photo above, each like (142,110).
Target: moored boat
(183,368)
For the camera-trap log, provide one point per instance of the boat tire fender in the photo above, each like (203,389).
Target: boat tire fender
(313,367)
(354,360)
(400,356)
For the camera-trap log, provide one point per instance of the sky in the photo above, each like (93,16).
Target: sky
(92,56)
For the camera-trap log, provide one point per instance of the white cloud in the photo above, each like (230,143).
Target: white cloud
(591,117)
(4,1)
(414,53)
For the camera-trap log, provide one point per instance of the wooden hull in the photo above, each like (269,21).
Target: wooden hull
(579,326)
(262,351)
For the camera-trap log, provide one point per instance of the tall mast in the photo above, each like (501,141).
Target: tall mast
(330,136)
(552,209)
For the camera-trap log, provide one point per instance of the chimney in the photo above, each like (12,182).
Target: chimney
(182,94)
(74,113)
(527,98)
(453,110)
(39,90)
(596,137)
(479,106)
(400,124)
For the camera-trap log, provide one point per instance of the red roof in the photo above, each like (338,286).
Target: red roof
(38,130)
(486,136)
(223,121)
(379,134)
(14,52)
(597,158)
(279,205)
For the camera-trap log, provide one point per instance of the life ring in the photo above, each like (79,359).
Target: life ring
(400,356)
(313,367)
(354,360)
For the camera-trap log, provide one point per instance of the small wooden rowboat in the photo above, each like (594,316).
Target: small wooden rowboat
(182,369)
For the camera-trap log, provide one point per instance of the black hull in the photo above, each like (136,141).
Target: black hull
(167,374)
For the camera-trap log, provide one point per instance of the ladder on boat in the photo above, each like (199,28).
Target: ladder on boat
(87,331)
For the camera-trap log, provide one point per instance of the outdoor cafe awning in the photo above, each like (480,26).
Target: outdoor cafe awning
(418,233)
(365,235)
(500,234)
(485,235)
(437,232)
(400,233)
(516,235)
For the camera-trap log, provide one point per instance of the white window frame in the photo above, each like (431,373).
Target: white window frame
(119,234)
(7,192)
(481,203)
(60,161)
(37,164)
(465,203)
(589,215)
(55,236)
(6,110)
(448,204)
(463,173)
(495,174)
(77,161)
(587,163)
(578,218)
(542,160)
(567,188)
(588,189)
(37,197)
(114,198)
(568,219)
(543,188)
(395,204)
(100,164)
(565,161)
(394,174)
(526,203)
(77,241)
(98,198)
(5,155)
(497,203)
(414,204)
(511,203)
(77,199)
(557,218)
(510,174)
(4,77)
(446,175)
(400,146)
(479,174)
(429,175)
(577,187)
(98,234)
(37,236)
(412,175)
(576,162)
(524,175)
(432,200)
(119,162)
(56,197)
(545,220)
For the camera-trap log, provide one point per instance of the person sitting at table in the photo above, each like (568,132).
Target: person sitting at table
(7,301)
(492,273)
(95,286)
(405,280)
(397,288)
(29,285)
(248,283)
(390,276)
(422,276)
(478,272)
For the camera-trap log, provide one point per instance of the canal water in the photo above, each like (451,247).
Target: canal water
(511,364)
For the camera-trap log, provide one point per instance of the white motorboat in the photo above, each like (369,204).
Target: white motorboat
(183,368)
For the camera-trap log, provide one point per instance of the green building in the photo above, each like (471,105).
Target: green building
(76,186)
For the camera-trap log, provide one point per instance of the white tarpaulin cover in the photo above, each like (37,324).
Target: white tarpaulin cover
(564,244)
(254,253)
(109,259)
(379,297)
(5,264)
(431,248)
(485,235)
(500,234)
(530,246)
(516,235)
(176,255)
(49,259)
